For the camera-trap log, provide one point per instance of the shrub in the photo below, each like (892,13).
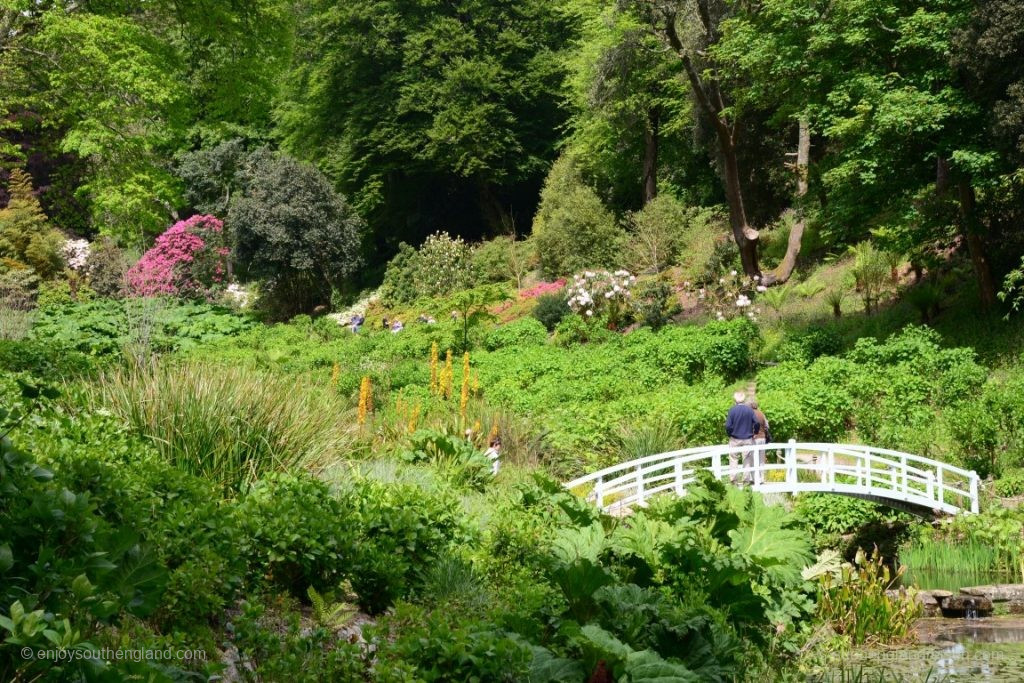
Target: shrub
(275,647)
(657,233)
(811,344)
(63,601)
(572,229)
(189,260)
(1010,485)
(293,232)
(601,293)
(522,332)
(297,533)
(550,309)
(399,285)
(504,259)
(403,530)
(443,265)
(107,267)
(654,303)
(436,649)
(230,425)
(25,233)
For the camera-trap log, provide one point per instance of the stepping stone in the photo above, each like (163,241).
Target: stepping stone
(997,592)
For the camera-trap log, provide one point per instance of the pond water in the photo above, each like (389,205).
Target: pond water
(950,650)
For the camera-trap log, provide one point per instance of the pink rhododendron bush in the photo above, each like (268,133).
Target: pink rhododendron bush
(543,288)
(188,260)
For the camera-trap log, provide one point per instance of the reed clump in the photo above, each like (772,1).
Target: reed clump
(231,425)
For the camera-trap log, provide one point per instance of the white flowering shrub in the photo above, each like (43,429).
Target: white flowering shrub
(732,296)
(443,265)
(594,293)
(76,254)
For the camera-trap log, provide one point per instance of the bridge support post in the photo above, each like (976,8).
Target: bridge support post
(679,478)
(974,493)
(599,494)
(791,463)
(716,465)
(929,485)
(640,485)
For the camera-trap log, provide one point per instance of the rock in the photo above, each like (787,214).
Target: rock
(958,606)
(997,592)
(1016,606)
(932,600)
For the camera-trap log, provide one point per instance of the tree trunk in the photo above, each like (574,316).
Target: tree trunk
(709,98)
(971,228)
(651,140)
(796,234)
(498,220)
(746,237)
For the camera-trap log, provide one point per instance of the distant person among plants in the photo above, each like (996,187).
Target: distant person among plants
(741,425)
(763,436)
(493,452)
(357,322)
(397,327)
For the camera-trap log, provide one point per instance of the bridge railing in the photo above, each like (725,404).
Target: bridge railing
(790,468)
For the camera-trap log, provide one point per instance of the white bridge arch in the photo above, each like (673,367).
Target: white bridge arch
(900,480)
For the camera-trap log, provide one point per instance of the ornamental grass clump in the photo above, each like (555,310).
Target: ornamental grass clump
(230,425)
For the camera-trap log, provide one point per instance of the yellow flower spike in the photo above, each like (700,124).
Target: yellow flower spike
(365,399)
(335,373)
(414,419)
(464,396)
(433,369)
(448,375)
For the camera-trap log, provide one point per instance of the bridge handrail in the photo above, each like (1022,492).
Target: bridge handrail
(722,449)
(920,478)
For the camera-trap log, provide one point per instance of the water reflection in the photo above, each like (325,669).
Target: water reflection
(952,650)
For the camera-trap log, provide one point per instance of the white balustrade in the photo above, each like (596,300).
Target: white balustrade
(855,470)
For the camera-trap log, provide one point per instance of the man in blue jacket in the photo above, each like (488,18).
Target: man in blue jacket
(741,425)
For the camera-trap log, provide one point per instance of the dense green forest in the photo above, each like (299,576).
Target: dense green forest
(895,121)
(309,311)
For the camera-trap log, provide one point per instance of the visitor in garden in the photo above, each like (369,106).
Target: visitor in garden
(357,322)
(493,452)
(763,436)
(741,426)
(397,327)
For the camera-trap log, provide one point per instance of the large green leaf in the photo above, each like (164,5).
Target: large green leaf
(763,538)
(647,666)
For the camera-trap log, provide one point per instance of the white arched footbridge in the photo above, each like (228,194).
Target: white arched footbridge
(900,480)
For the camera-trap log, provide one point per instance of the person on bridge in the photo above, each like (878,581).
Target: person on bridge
(741,425)
(763,436)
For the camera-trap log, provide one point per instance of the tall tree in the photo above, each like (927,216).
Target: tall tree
(691,35)
(627,93)
(418,106)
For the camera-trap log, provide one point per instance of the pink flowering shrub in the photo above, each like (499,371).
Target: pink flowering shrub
(189,259)
(543,288)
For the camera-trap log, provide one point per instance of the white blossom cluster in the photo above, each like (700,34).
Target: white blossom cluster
(594,290)
(237,294)
(76,254)
(732,296)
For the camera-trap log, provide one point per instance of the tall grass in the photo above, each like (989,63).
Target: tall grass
(963,558)
(228,424)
